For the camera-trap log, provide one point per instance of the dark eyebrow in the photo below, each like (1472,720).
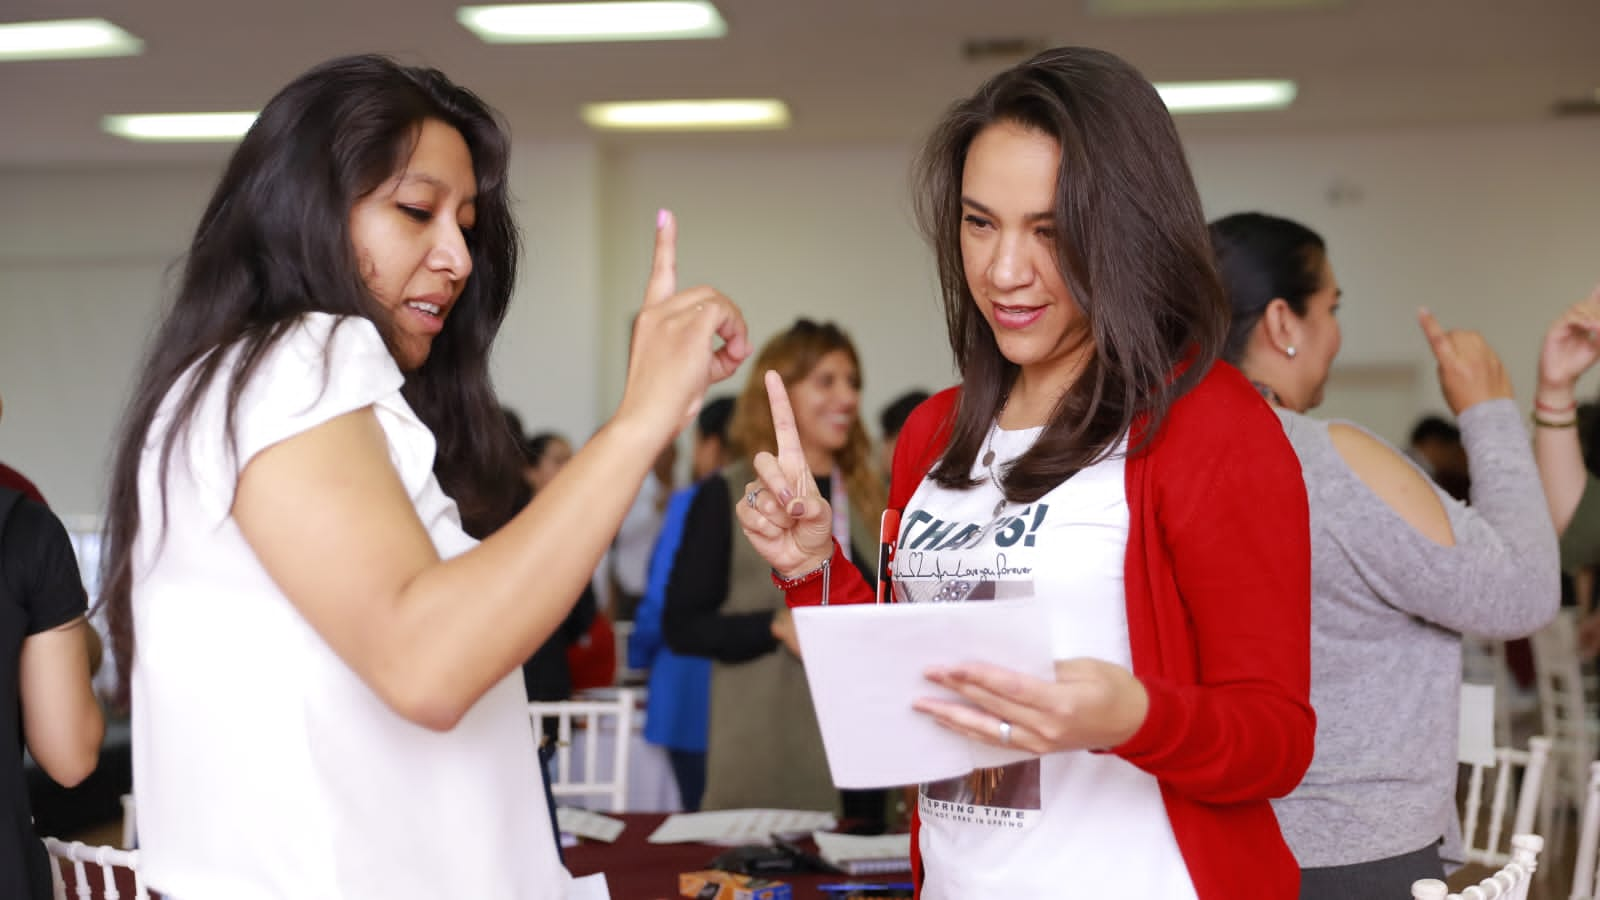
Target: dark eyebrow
(1029,218)
(435,183)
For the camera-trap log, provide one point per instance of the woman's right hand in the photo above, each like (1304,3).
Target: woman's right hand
(1570,347)
(783,513)
(1470,372)
(674,357)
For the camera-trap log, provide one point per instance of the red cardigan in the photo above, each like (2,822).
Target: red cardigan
(1218,583)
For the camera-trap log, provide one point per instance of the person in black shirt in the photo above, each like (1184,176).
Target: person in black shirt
(46,701)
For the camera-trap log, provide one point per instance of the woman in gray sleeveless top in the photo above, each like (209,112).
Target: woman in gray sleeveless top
(1399,570)
(764,748)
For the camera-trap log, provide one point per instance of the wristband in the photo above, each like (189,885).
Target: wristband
(1541,422)
(1556,410)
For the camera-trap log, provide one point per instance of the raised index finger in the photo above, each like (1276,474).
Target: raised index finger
(663,281)
(791,456)
(1437,338)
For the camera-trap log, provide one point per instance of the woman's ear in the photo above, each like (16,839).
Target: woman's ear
(1281,327)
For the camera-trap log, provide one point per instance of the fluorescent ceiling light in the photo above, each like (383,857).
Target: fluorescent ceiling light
(194,127)
(65,39)
(628,20)
(1225,96)
(688,115)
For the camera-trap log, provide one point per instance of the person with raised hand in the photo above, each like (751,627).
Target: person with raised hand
(1571,347)
(1399,569)
(325,690)
(764,748)
(1093,457)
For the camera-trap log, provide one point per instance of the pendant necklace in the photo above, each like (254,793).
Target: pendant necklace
(988,463)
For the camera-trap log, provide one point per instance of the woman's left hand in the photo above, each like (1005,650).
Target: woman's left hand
(1091,704)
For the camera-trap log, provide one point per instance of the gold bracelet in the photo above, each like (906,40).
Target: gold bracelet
(1541,422)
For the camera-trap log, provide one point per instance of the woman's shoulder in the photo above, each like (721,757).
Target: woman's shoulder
(1223,404)
(932,415)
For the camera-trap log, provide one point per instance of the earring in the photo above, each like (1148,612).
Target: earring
(1289,351)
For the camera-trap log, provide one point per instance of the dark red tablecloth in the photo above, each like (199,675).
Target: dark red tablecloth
(638,870)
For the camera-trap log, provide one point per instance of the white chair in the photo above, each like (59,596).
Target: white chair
(605,723)
(1583,869)
(1509,763)
(1510,883)
(80,857)
(1567,703)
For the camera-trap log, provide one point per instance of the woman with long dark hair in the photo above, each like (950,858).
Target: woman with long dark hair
(1399,569)
(323,659)
(1165,515)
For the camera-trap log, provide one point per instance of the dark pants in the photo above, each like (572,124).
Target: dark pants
(689,769)
(1390,877)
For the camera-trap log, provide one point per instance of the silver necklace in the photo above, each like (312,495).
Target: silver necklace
(988,463)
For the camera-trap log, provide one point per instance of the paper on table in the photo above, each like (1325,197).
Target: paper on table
(584,823)
(1475,725)
(739,826)
(866,663)
(589,887)
(845,849)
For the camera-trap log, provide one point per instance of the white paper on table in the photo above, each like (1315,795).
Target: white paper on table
(584,823)
(740,826)
(1475,728)
(589,887)
(866,664)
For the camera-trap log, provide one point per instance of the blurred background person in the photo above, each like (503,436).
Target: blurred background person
(1399,570)
(47,703)
(1436,446)
(764,749)
(628,563)
(679,697)
(891,420)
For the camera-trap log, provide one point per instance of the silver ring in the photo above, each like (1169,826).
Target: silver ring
(1005,732)
(750,498)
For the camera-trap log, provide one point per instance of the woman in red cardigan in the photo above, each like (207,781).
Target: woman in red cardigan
(1096,457)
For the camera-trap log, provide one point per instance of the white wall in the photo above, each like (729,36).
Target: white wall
(1494,228)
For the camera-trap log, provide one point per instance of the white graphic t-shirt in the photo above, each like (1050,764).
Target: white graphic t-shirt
(1076,824)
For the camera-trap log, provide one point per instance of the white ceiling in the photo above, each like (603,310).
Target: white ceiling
(851,70)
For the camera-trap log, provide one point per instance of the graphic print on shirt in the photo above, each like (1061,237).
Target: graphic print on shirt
(940,561)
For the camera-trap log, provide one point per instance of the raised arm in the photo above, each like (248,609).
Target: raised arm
(1570,347)
(330,520)
(1488,569)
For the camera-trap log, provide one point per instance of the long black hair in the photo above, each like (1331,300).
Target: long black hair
(274,244)
(1131,245)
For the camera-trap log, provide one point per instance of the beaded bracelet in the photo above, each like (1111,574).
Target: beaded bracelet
(1557,410)
(789,584)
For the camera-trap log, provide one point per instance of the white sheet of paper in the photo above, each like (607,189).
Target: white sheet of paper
(836,847)
(584,823)
(1475,729)
(589,887)
(739,826)
(866,663)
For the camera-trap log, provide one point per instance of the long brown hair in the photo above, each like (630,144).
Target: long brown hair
(793,354)
(1131,245)
(274,244)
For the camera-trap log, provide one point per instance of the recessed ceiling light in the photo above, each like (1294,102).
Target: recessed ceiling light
(1225,96)
(65,39)
(180,127)
(628,20)
(688,115)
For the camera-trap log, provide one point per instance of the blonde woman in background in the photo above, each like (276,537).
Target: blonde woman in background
(764,748)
